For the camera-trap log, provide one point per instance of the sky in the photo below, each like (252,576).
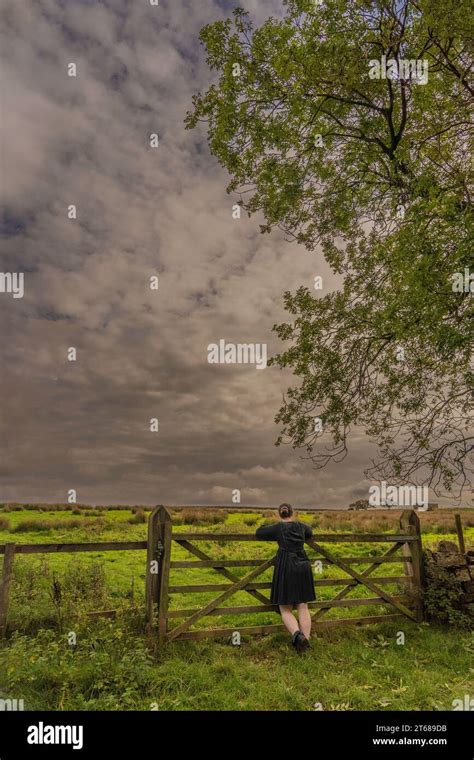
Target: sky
(142,212)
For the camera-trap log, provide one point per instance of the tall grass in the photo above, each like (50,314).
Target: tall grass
(27,526)
(198,517)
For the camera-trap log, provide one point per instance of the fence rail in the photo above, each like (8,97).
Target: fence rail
(331,537)
(100,546)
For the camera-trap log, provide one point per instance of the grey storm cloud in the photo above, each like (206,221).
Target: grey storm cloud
(142,212)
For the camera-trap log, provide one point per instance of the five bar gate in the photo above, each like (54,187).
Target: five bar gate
(404,547)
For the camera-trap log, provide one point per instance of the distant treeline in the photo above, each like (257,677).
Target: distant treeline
(18,507)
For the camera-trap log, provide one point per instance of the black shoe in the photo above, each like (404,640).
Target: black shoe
(294,639)
(301,643)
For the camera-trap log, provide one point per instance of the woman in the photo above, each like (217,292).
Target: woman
(292,583)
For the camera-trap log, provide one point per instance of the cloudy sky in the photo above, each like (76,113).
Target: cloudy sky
(141,211)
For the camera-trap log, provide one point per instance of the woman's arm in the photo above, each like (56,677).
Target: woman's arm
(267,532)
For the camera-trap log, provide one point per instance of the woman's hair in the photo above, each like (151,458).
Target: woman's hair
(285,510)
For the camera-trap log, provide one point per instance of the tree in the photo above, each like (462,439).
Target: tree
(356,506)
(347,126)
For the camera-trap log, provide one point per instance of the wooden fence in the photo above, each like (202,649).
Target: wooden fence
(404,547)
(10,551)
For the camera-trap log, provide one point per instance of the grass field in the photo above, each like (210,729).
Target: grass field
(113,664)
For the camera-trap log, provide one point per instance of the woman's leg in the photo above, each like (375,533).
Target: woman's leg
(304,619)
(288,618)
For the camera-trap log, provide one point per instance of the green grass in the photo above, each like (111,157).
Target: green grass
(116,665)
(364,669)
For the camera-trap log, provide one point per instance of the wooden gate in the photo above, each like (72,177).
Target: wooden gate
(404,547)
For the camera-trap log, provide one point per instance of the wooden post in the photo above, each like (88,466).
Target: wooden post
(158,568)
(410,525)
(459,531)
(151,576)
(164,576)
(461,542)
(7,575)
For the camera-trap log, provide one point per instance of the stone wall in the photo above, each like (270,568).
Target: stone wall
(459,566)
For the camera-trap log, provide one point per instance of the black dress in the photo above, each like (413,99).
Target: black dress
(292,577)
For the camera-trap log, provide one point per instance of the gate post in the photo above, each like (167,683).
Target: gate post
(410,525)
(158,568)
(5,581)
